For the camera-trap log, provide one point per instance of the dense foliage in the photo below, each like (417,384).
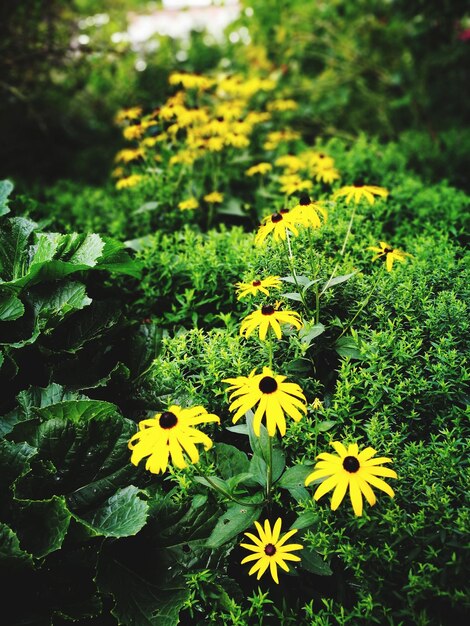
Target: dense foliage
(238,199)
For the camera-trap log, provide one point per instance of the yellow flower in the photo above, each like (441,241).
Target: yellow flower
(215,144)
(270,549)
(327,176)
(191,81)
(278,224)
(118,172)
(295,186)
(275,399)
(317,404)
(214,198)
(245,289)
(127,155)
(268,317)
(290,162)
(260,168)
(390,254)
(149,142)
(133,132)
(358,192)
(133,113)
(185,157)
(353,469)
(308,212)
(187,205)
(316,160)
(282,105)
(169,435)
(237,140)
(130,181)
(274,138)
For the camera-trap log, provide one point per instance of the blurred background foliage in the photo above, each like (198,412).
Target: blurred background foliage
(391,68)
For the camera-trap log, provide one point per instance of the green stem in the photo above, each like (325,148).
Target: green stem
(292,269)
(364,302)
(269,477)
(343,248)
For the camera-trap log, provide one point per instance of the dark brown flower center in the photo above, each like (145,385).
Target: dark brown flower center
(276,217)
(359,184)
(267,309)
(256,283)
(305,199)
(388,250)
(284,211)
(267,384)
(168,420)
(321,155)
(351,464)
(270,549)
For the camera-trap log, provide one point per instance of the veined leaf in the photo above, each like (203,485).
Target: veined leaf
(337,280)
(6,187)
(11,553)
(11,308)
(122,515)
(235,520)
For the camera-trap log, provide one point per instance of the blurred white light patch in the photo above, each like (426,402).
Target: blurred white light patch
(178,18)
(83,40)
(140,65)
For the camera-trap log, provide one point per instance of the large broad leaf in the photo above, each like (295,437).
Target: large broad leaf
(42,526)
(293,480)
(14,236)
(312,562)
(122,515)
(11,308)
(34,398)
(230,461)
(14,461)
(235,520)
(55,256)
(84,326)
(137,601)
(51,306)
(11,553)
(6,187)
(82,454)
(144,347)
(116,260)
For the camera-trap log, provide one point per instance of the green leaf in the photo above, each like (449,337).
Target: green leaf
(337,280)
(122,515)
(325,426)
(14,461)
(230,461)
(14,236)
(42,525)
(146,207)
(11,552)
(312,562)
(116,260)
(82,456)
(6,187)
(293,295)
(299,366)
(52,306)
(293,480)
(301,280)
(308,333)
(235,520)
(144,347)
(11,308)
(137,601)
(306,519)
(232,207)
(348,347)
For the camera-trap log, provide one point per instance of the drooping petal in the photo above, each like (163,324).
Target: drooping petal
(355,495)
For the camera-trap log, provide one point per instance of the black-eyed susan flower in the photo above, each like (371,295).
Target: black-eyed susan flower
(326,175)
(130,181)
(171,437)
(275,399)
(389,254)
(133,113)
(270,549)
(188,204)
(359,191)
(291,183)
(127,155)
(263,285)
(260,168)
(277,224)
(308,212)
(353,469)
(268,317)
(215,197)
